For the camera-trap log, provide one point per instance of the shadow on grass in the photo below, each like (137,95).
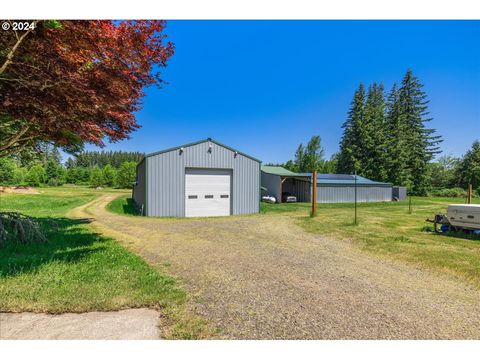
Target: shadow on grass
(129,207)
(67,242)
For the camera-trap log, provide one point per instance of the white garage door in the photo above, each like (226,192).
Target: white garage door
(207,192)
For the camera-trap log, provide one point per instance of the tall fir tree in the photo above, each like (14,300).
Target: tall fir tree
(349,157)
(396,147)
(421,142)
(373,136)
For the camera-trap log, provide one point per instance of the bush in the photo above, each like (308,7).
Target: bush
(126,175)
(96,177)
(19,175)
(35,176)
(109,175)
(453,192)
(7,167)
(16,227)
(53,182)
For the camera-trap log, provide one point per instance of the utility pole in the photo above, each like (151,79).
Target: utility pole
(469,194)
(355,221)
(314,193)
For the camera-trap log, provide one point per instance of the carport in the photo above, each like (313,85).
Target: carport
(276,180)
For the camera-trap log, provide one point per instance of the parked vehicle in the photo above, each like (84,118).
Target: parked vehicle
(459,217)
(289,198)
(269,199)
(466,216)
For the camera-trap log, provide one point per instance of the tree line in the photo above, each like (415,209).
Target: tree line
(93,168)
(103,158)
(386,138)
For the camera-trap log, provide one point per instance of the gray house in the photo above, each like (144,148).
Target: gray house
(331,188)
(203,178)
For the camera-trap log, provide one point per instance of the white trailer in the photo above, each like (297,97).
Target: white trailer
(464,216)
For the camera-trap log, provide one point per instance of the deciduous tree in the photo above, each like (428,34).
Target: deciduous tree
(468,170)
(73,82)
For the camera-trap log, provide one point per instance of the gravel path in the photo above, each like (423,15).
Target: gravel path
(263,277)
(132,324)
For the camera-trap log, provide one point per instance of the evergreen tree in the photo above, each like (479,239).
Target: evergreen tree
(396,146)
(51,171)
(372,155)
(349,157)
(55,174)
(84,175)
(468,170)
(421,143)
(103,158)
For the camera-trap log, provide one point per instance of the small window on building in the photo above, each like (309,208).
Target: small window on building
(208,196)
(192,196)
(224,196)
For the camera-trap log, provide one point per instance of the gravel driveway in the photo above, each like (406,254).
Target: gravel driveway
(263,277)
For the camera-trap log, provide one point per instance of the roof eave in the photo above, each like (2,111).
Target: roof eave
(199,142)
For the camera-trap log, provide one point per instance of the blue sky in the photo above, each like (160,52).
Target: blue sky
(263,87)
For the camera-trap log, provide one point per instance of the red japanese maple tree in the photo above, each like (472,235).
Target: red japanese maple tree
(72,82)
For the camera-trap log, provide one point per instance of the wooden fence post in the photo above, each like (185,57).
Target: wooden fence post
(314,193)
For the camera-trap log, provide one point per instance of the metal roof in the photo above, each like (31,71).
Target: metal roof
(199,142)
(278,170)
(345,179)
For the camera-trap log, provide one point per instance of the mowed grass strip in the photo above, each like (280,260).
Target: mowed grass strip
(122,205)
(79,270)
(387,229)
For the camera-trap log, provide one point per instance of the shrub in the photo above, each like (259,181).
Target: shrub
(15,227)
(96,177)
(19,175)
(452,192)
(35,176)
(53,182)
(109,175)
(7,167)
(126,175)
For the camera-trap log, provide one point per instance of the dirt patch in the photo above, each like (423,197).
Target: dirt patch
(132,324)
(18,190)
(263,277)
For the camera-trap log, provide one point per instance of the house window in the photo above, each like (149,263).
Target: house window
(208,196)
(192,196)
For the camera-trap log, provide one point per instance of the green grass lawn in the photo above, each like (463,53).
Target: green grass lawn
(79,270)
(123,205)
(387,229)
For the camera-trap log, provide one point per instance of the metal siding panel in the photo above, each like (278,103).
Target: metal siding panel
(139,189)
(338,194)
(166,180)
(272,183)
